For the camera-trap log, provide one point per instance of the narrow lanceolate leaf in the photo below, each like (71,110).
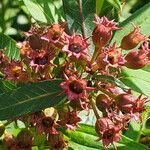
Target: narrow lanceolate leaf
(9,45)
(140,17)
(30,98)
(45,11)
(79,15)
(110,79)
(85,138)
(137,80)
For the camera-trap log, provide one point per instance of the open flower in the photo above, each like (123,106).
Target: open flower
(108,132)
(40,59)
(13,70)
(75,46)
(110,57)
(69,120)
(46,125)
(103,30)
(75,88)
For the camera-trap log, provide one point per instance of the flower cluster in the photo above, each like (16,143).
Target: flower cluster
(50,53)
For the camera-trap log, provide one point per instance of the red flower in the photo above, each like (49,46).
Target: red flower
(69,120)
(13,70)
(131,40)
(103,31)
(75,46)
(108,132)
(46,125)
(75,88)
(130,104)
(110,57)
(137,59)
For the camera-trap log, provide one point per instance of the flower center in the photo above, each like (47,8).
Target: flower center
(47,122)
(111,59)
(76,87)
(76,48)
(108,134)
(41,61)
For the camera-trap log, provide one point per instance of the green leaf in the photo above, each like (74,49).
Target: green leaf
(111,9)
(85,137)
(140,17)
(99,4)
(6,86)
(115,3)
(137,80)
(73,16)
(10,45)
(112,80)
(45,11)
(30,98)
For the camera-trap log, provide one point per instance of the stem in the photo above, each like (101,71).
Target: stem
(82,17)
(94,108)
(96,52)
(141,128)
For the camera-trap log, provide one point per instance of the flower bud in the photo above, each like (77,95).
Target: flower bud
(131,40)
(103,31)
(24,139)
(125,102)
(103,102)
(136,59)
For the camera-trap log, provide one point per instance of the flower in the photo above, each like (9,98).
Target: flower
(75,46)
(103,102)
(110,57)
(131,40)
(57,142)
(13,70)
(53,33)
(137,59)
(75,88)
(46,125)
(130,104)
(69,120)
(103,30)
(40,59)
(108,132)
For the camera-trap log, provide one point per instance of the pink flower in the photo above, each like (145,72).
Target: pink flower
(75,46)
(13,70)
(70,120)
(110,57)
(46,125)
(103,31)
(130,104)
(40,59)
(108,132)
(75,88)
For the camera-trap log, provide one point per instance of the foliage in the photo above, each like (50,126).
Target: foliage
(37,76)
